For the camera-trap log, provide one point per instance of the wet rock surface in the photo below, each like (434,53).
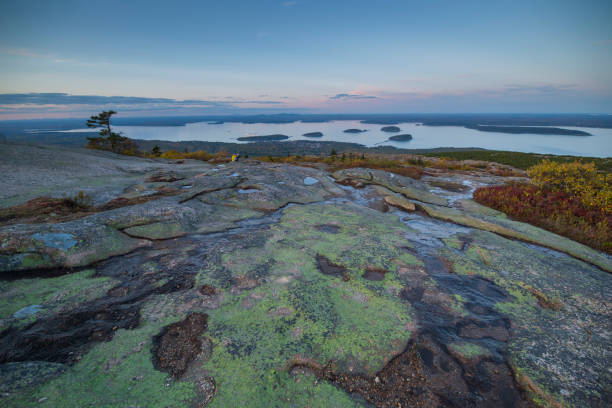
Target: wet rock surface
(248,286)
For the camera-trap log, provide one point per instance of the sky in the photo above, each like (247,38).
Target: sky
(72,58)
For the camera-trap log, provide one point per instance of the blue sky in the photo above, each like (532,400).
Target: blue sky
(393,56)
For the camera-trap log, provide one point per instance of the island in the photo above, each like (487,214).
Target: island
(401,138)
(313,134)
(538,130)
(390,129)
(355,130)
(264,138)
(219,122)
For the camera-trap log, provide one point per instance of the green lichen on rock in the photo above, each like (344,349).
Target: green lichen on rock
(547,305)
(468,350)
(119,372)
(290,308)
(258,333)
(50,295)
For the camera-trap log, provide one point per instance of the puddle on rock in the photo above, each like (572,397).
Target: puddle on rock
(26,311)
(309,181)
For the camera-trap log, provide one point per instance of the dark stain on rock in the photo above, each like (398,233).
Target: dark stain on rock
(478,330)
(207,290)
(164,176)
(327,267)
(64,337)
(374,274)
(178,344)
(450,186)
(355,183)
(242,282)
(119,291)
(378,205)
(465,242)
(412,294)
(329,228)
(545,301)
(426,375)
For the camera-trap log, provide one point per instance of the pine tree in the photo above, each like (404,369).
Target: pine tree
(107,136)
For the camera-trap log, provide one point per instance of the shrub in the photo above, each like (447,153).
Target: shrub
(197,155)
(570,199)
(578,179)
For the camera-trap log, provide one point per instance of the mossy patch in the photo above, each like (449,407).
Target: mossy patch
(50,294)
(468,350)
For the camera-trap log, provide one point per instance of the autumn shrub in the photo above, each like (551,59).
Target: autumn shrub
(570,199)
(335,162)
(577,179)
(197,155)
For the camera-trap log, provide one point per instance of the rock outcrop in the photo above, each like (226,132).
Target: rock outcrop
(261,284)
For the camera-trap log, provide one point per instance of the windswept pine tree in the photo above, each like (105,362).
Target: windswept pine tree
(108,140)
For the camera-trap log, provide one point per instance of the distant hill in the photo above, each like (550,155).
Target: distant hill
(313,134)
(264,138)
(529,129)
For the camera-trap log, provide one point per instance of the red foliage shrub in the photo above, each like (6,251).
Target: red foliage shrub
(556,211)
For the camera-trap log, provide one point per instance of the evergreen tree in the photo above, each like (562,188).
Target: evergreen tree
(107,136)
(156,151)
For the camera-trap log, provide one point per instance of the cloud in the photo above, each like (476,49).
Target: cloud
(67,99)
(290,3)
(346,96)
(541,89)
(24,52)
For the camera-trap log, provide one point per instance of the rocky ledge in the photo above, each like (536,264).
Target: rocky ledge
(191,284)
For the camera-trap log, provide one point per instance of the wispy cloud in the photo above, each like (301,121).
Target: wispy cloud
(27,53)
(543,88)
(67,99)
(346,96)
(290,3)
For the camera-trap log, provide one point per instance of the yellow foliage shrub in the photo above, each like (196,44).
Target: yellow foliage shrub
(578,179)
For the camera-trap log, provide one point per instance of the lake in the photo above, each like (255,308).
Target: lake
(423,137)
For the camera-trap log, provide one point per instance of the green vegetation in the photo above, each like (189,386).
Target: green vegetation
(520,160)
(49,295)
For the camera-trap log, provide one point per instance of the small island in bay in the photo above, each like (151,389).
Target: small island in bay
(264,138)
(218,122)
(313,134)
(355,130)
(538,130)
(401,138)
(390,129)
